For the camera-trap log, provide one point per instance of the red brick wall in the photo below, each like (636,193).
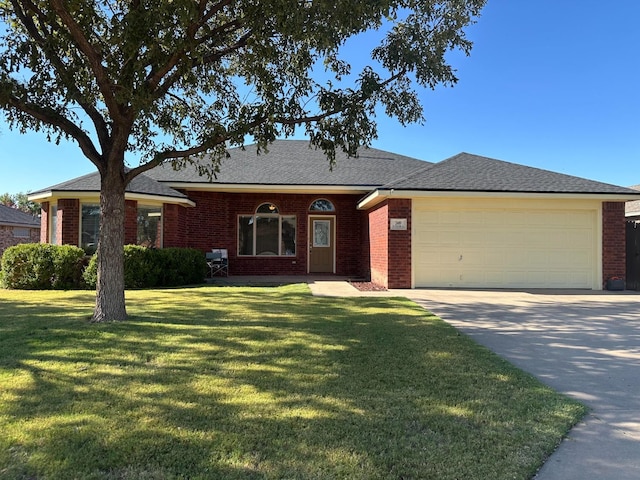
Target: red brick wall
(379,243)
(213,223)
(130,222)
(44,222)
(8,238)
(69,221)
(613,241)
(174,226)
(390,250)
(400,245)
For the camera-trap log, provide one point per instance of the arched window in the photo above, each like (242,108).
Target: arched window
(267,208)
(267,232)
(322,205)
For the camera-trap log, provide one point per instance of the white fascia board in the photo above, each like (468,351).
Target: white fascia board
(160,199)
(380,195)
(93,196)
(255,188)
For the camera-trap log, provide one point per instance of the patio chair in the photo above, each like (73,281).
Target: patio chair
(218,262)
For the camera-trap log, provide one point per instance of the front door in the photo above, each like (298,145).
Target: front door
(322,244)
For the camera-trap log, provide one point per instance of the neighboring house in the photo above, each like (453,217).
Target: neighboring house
(632,208)
(468,221)
(17,227)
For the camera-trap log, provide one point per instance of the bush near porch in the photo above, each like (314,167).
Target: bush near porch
(43,266)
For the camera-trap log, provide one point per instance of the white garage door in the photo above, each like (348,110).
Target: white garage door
(467,243)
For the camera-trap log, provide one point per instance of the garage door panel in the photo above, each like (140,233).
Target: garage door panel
(504,247)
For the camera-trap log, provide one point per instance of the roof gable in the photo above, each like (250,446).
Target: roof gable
(15,217)
(475,173)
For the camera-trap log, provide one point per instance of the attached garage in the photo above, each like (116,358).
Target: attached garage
(506,243)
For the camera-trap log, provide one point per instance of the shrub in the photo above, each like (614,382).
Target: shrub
(146,267)
(38,266)
(181,266)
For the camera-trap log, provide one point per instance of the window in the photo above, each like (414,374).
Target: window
(267,232)
(149,226)
(21,232)
(90,227)
(322,205)
(53,227)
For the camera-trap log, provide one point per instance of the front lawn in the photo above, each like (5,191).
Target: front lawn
(261,383)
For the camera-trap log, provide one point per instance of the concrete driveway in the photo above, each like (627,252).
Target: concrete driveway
(584,344)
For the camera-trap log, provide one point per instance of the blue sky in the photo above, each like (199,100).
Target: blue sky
(550,84)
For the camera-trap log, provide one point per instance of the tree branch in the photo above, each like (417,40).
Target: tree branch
(92,55)
(52,118)
(59,66)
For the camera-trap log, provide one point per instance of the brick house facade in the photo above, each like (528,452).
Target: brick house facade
(373,219)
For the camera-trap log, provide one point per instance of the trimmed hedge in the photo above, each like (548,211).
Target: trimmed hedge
(40,266)
(148,267)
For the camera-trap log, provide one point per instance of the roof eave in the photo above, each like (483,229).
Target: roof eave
(20,225)
(58,194)
(379,195)
(252,187)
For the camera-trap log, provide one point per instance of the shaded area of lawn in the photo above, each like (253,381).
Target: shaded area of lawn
(261,383)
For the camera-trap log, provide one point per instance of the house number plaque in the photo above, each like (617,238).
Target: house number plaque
(398,224)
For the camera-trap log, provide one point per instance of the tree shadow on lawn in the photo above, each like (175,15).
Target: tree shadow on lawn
(265,383)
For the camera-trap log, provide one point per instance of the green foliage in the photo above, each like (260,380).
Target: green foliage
(149,267)
(37,266)
(21,202)
(206,77)
(180,266)
(141,268)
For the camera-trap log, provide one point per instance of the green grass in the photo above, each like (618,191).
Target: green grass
(261,383)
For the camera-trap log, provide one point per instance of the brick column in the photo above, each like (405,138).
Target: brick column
(130,222)
(44,222)
(173,226)
(400,245)
(613,241)
(390,250)
(379,244)
(69,221)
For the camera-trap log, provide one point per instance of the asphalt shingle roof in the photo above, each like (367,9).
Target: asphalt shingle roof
(91,183)
(13,216)
(474,173)
(293,162)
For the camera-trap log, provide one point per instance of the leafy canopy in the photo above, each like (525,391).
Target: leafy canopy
(172,79)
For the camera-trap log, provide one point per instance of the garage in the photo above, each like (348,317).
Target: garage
(506,243)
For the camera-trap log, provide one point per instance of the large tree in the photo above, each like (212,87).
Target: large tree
(168,80)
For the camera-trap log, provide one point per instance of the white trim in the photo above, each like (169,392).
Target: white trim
(92,196)
(250,188)
(380,195)
(597,281)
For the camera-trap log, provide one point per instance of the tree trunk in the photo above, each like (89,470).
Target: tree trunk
(110,305)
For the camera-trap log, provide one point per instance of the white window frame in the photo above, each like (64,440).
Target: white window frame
(254,223)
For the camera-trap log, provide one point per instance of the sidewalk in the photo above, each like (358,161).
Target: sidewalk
(320,285)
